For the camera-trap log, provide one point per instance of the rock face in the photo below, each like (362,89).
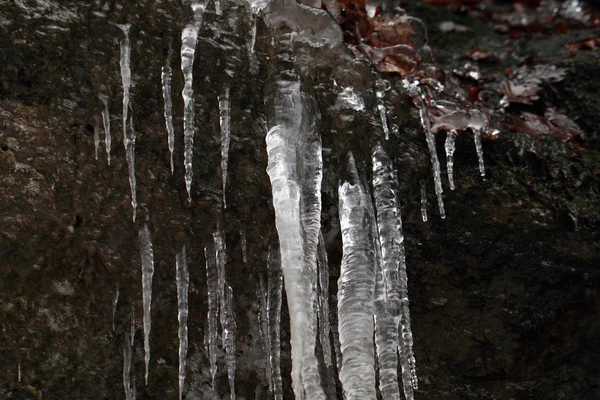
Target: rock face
(504,290)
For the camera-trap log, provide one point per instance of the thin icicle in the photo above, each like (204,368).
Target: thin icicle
(183,281)
(96,138)
(253,34)
(189,36)
(356,287)
(132,327)
(106,122)
(130,155)
(147,255)
(229,331)
(224,119)
(212,283)
(128,136)
(478,148)
(221,259)
(450,147)
(263,327)
(114,305)
(274,297)
(127,384)
(324,326)
(423,200)
(244,247)
(384,124)
(166,77)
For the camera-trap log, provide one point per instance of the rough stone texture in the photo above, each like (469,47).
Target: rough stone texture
(504,292)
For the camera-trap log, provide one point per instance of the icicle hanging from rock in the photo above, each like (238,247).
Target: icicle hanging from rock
(356,287)
(229,332)
(106,122)
(224,119)
(183,281)
(220,254)
(287,120)
(450,146)
(212,283)
(166,77)
(147,256)
(130,155)
(189,36)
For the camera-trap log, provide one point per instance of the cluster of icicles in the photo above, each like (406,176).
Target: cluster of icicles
(373,325)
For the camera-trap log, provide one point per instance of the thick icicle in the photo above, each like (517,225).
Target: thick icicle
(147,255)
(212,283)
(114,305)
(229,331)
(224,119)
(323,303)
(274,296)
(166,77)
(189,36)
(183,281)
(356,287)
(128,135)
(127,384)
(478,148)
(290,117)
(449,145)
(423,200)
(106,122)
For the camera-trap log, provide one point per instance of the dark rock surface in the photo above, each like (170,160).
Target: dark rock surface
(504,292)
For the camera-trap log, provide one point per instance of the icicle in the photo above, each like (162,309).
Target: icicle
(253,35)
(229,331)
(183,281)
(132,328)
(274,296)
(450,147)
(477,140)
(423,200)
(96,138)
(212,283)
(224,118)
(106,122)
(166,76)
(356,287)
(417,96)
(127,385)
(147,256)
(189,36)
(292,117)
(324,326)
(130,155)
(263,327)
(221,259)
(244,248)
(114,305)
(383,116)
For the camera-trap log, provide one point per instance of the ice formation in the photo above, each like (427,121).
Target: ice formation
(224,119)
(229,331)
(271,315)
(166,77)
(147,256)
(297,205)
(244,247)
(450,146)
(106,122)
(423,200)
(212,282)
(183,281)
(189,36)
(356,287)
(128,385)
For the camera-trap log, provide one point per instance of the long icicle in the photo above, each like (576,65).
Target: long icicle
(147,256)
(224,119)
(356,287)
(229,332)
(166,77)
(189,36)
(212,282)
(183,281)
(450,146)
